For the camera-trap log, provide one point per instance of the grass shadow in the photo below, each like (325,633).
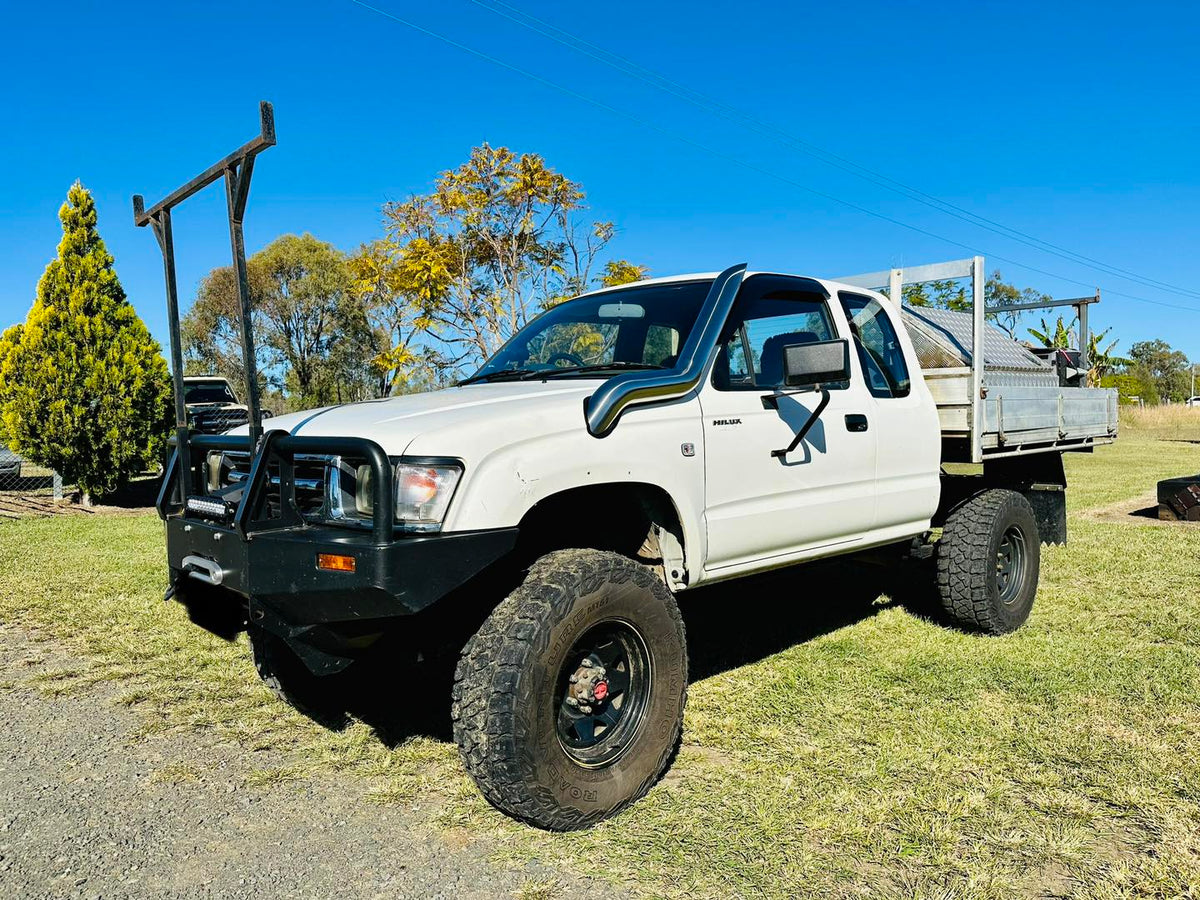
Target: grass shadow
(138,493)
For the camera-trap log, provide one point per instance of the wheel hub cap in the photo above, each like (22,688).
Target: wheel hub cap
(587,685)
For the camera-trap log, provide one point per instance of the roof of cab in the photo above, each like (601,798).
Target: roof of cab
(829,285)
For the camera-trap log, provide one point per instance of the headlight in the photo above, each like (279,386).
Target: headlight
(423,494)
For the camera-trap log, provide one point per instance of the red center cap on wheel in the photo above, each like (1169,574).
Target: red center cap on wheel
(601,690)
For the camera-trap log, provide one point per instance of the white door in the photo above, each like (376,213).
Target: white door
(902,414)
(758,506)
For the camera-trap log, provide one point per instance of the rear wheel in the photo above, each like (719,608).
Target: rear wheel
(988,561)
(568,702)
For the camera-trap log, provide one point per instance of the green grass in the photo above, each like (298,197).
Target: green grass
(835,747)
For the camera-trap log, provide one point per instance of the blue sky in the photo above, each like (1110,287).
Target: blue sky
(1081,130)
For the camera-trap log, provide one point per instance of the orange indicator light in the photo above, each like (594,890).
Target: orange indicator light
(334,562)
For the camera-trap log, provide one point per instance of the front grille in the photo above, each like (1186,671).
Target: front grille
(325,486)
(217,421)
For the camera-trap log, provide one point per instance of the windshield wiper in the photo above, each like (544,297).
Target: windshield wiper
(499,373)
(600,367)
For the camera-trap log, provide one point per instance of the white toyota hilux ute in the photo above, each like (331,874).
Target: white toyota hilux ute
(623,448)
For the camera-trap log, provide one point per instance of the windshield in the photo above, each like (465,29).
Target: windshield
(208,392)
(593,336)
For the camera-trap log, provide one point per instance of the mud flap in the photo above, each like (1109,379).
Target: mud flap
(1049,502)
(1043,480)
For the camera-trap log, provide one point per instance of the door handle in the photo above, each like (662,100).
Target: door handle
(856,422)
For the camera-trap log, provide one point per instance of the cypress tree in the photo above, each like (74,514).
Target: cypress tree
(84,388)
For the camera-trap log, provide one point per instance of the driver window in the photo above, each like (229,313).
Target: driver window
(751,352)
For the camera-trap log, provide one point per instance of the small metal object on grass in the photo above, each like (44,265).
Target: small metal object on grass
(1179,499)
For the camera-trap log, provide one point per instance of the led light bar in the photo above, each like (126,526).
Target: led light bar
(208,506)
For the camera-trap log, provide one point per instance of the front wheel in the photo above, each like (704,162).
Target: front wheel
(988,561)
(316,696)
(568,702)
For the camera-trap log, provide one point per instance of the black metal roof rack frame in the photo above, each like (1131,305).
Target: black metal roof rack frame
(281,448)
(236,169)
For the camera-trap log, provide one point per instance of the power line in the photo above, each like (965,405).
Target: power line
(734,114)
(740,162)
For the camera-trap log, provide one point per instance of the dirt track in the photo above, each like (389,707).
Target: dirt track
(88,808)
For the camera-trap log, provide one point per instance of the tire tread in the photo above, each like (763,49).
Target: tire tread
(488,682)
(964,560)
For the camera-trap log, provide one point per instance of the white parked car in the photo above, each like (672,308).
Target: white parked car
(10,465)
(625,448)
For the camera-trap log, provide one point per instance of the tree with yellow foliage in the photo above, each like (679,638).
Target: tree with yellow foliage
(499,239)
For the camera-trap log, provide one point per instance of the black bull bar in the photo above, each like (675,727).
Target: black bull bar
(279,449)
(270,561)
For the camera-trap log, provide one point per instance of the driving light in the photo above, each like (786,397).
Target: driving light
(423,495)
(212,507)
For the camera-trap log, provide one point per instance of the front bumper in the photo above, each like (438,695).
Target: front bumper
(318,612)
(279,568)
(265,551)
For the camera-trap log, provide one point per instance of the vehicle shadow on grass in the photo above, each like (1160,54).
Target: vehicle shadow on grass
(748,619)
(728,626)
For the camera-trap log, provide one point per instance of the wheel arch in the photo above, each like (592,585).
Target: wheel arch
(1039,477)
(635,518)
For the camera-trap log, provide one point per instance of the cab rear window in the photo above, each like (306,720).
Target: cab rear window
(879,350)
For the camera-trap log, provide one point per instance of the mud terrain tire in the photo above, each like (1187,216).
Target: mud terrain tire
(528,750)
(988,561)
(291,681)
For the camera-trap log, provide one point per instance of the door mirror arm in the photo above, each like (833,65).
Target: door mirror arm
(809,422)
(811,366)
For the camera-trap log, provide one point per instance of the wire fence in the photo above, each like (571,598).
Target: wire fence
(26,488)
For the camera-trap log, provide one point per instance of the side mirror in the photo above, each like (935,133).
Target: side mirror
(266,413)
(820,362)
(808,365)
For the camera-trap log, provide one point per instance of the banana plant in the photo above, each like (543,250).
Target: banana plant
(1059,337)
(1103,362)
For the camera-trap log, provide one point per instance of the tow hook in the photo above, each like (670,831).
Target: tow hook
(588,687)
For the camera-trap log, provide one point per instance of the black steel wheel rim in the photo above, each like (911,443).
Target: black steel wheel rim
(1011,561)
(597,733)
